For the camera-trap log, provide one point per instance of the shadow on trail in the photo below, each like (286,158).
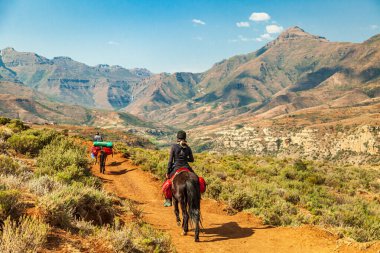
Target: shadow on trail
(119,172)
(116,163)
(226,231)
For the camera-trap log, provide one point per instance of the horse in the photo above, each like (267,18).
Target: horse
(102,161)
(186,192)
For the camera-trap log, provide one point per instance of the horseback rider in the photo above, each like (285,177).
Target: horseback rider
(180,156)
(98,137)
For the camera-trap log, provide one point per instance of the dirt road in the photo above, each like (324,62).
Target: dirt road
(222,233)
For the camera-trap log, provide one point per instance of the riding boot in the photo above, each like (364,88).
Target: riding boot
(168,202)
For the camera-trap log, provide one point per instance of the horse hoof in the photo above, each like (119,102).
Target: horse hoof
(196,239)
(178,223)
(184,233)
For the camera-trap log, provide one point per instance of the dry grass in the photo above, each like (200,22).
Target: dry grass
(25,236)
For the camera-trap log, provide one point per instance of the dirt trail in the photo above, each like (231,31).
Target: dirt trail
(222,233)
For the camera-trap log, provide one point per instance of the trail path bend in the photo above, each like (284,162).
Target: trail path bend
(239,233)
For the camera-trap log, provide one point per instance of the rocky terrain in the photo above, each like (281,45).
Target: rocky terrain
(354,145)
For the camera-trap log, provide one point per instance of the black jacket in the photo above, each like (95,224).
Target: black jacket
(179,157)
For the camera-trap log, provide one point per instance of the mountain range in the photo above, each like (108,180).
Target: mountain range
(293,73)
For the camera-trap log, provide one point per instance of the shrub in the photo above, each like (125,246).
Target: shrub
(134,238)
(214,187)
(4,121)
(44,185)
(74,173)
(9,203)
(59,208)
(5,133)
(299,165)
(59,154)
(31,141)
(26,235)
(9,166)
(17,125)
(14,182)
(240,201)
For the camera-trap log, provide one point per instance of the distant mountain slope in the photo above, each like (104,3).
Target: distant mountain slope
(295,71)
(20,101)
(68,81)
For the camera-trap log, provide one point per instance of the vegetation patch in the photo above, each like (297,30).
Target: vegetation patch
(25,235)
(284,191)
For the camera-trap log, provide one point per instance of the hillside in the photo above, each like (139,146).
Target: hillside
(295,71)
(69,81)
(20,101)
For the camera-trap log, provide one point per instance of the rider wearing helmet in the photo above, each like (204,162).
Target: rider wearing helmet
(180,156)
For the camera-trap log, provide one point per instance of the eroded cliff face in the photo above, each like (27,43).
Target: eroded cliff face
(348,144)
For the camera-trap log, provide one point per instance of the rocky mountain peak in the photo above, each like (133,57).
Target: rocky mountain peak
(8,50)
(295,33)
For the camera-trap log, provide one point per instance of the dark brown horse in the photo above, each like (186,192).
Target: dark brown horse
(186,193)
(102,161)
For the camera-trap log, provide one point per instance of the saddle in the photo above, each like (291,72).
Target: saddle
(167,186)
(180,170)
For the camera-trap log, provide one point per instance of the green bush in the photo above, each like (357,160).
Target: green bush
(9,166)
(10,203)
(17,125)
(60,154)
(240,201)
(59,208)
(26,235)
(5,133)
(31,141)
(299,165)
(4,121)
(74,173)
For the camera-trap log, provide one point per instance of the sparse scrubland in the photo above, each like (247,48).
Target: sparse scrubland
(45,185)
(285,192)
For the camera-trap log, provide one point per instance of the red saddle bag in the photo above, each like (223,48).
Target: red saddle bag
(95,150)
(202,184)
(108,150)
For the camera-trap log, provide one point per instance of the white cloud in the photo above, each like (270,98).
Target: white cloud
(259,16)
(374,27)
(242,38)
(113,43)
(274,28)
(242,24)
(266,36)
(198,22)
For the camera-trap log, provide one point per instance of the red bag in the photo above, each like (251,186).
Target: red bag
(202,184)
(108,150)
(95,150)
(167,189)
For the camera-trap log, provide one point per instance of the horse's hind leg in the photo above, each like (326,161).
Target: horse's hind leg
(176,211)
(197,220)
(185,216)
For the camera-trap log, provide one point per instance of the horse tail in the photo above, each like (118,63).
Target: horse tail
(193,200)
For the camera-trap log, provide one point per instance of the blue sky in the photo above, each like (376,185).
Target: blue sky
(169,35)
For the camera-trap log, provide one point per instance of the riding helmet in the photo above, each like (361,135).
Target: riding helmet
(181,135)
